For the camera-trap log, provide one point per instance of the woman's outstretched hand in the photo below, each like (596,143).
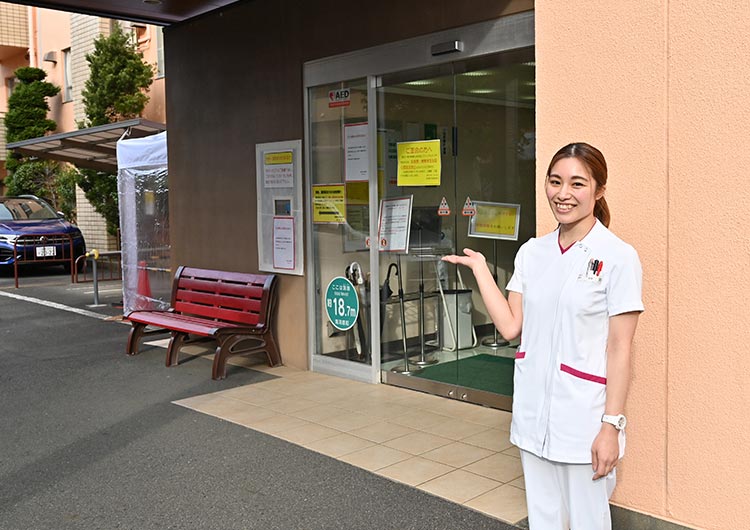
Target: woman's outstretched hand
(470,259)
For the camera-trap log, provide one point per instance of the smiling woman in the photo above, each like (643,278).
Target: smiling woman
(575,298)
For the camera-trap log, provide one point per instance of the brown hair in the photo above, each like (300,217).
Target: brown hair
(593,159)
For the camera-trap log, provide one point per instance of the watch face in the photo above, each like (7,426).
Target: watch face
(621,422)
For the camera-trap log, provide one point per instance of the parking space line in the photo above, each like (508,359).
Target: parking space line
(54,305)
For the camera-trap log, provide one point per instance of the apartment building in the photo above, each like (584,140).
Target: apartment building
(58,42)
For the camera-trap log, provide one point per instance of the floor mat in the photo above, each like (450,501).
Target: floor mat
(483,372)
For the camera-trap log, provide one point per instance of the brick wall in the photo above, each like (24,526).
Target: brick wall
(84,29)
(14,25)
(93,226)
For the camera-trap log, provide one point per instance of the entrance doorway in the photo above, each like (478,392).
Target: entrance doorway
(419,322)
(481,111)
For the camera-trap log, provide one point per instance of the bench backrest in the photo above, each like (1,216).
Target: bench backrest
(236,297)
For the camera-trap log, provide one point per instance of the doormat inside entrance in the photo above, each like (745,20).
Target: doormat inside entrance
(482,372)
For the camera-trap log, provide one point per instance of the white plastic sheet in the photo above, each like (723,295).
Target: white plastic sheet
(144,223)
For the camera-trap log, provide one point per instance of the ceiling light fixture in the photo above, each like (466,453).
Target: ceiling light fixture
(152,2)
(482,91)
(423,82)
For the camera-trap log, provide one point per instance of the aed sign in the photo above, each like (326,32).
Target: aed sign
(342,303)
(339,98)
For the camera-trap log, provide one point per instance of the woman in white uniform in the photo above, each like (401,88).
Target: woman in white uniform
(574,298)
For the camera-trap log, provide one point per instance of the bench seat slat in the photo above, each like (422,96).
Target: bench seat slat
(216,275)
(218,300)
(246,290)
(226,315)
(184,323)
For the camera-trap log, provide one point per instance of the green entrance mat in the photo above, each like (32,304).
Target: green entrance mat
(482,372)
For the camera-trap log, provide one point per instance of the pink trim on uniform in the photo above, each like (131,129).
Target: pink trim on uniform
(564,250)
(520,354)
(583,375)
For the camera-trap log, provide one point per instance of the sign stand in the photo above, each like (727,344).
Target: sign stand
(423,361)
(495,342)
(405,370)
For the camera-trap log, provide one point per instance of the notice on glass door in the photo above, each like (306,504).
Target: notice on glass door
(356,148)
(329,203)
(393,224)
(419,163)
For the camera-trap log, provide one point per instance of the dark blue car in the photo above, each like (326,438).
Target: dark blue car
(40,234)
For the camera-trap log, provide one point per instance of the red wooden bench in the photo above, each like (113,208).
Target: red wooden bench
(230,307)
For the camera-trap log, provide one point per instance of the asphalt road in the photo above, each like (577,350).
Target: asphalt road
(91,440)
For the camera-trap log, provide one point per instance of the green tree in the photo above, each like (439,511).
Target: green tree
(115,90)
(27,112)
(118,80)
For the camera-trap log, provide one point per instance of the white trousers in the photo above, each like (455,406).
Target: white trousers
(563,496)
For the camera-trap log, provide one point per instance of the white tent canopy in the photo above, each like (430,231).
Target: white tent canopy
(144,222)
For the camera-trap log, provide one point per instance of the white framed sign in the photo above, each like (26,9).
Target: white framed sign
(278,176)
(394,221)
(495,220)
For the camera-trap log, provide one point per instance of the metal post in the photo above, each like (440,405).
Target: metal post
(423,361)
(96,283)
(94,255)
(495,342)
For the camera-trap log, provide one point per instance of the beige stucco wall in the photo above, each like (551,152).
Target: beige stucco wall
(662,90)
(53,35)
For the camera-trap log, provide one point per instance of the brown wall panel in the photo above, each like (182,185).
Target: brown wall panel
(234,80)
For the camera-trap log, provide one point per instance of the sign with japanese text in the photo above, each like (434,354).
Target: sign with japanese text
(495,220)
(329,203)
(419,163)
(342,303)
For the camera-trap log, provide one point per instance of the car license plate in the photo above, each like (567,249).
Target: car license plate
(43,252)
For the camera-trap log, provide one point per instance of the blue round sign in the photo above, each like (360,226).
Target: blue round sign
(342,303)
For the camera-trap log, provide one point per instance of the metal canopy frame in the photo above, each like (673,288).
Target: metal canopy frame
(92,148)
(150,12)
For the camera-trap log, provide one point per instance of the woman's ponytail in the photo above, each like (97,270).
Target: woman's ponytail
(601,211)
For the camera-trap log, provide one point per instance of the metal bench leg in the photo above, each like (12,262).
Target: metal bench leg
(136,332)
(173,351)
(272,350)
(219,370)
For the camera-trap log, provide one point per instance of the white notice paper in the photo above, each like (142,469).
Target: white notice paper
(357,156)
(393,226)
(283,243)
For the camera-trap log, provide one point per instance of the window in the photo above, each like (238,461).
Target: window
(140,36)
(10,84)
(67,76)
(159,51)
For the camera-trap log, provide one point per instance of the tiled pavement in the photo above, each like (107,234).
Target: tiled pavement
(451,449)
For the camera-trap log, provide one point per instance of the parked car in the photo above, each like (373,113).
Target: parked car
(40,234)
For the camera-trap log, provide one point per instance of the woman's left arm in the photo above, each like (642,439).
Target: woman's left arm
(605,451)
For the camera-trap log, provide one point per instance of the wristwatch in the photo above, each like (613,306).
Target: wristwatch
(618,421)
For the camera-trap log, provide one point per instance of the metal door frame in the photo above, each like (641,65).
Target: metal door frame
(485,38)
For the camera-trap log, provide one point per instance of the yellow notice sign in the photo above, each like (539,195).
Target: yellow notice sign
(419,163)
(329,204)
(495,220)
(357,193)
(281,157)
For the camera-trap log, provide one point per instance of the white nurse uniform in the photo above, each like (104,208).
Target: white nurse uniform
(561,364)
